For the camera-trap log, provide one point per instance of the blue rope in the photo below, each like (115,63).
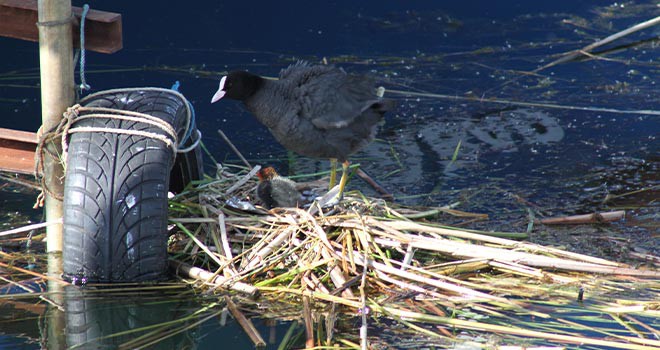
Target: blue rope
(83,83)
(185,138)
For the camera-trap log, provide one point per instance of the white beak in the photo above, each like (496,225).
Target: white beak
(220,93)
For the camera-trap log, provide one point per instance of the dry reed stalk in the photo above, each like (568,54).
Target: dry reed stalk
(652,308)
(215,257)
(407,259)
(309,323)
(347,251)
(28,228)
(469,295)
(161,332)
(594,218)
(325,248)
(525,347)
(447,279)
(188,271)
(364,342)
(293,272)
(245,323)
(407,286)
(330,320)
(306,217)
(275,243)
(385,194)
(192,220)
(650,329)
(569,56)
(312,282)
(398,226)
(433,308)
(33,273)
(228,267)
(633,343)
(625,325)
(527,271)
(308,277)
(22,182)
(242,181)
(37,309)
(465,251)
(337,276)
(224,243)
(458,267)
(608,333)
(370,244)
(233,148)
(17,284)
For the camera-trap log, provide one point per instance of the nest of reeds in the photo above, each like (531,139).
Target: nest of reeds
(368,263)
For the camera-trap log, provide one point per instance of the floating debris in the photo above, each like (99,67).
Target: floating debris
(419,277)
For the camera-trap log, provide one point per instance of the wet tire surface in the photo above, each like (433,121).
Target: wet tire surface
(115,206)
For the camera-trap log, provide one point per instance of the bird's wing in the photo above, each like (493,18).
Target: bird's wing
(292,71)
(329,97)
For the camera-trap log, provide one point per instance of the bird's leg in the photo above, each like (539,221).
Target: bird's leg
(333,172)
(336,193)
(344,178)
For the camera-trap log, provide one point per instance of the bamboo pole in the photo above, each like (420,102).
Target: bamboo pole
(56,69)
(55,338)
(56,66)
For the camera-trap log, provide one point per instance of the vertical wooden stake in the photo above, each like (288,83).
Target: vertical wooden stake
(56,66)
(55,317)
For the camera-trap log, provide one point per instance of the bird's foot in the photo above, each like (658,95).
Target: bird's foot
(332,198)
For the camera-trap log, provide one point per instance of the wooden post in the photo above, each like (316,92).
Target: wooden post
(56,66)
(55,334)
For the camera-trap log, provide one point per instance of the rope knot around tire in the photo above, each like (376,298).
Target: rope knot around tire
(48,142)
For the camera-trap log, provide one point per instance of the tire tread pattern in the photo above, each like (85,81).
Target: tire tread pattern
(115,206)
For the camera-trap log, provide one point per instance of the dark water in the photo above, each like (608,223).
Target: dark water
(513,159)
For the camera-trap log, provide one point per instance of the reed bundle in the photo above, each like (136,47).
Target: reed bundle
(365,262)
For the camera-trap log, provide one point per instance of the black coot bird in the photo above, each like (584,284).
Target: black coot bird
(317,111)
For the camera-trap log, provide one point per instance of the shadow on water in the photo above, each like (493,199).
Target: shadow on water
(515,163)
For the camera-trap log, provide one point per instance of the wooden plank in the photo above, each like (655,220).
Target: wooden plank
(17,151)
(18,135)
(103,30)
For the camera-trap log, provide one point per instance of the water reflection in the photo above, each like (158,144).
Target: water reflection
(511,160)
(55,315)
(126,319)
(129,318)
